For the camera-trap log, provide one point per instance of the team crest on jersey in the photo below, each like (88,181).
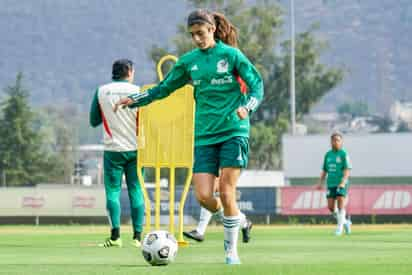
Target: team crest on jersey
(222,66)
(338,160)
(194,68)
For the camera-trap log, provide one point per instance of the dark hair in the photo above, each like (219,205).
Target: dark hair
(121,68)
(225,31)
(336,134)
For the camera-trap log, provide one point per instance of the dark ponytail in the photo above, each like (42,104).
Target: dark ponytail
(225,31)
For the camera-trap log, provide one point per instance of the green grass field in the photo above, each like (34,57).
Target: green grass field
(385,249)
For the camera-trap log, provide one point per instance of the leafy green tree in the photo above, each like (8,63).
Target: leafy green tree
(260,28)
(23,155)
(266,140)
(354,109)
(313,79)
(60,137)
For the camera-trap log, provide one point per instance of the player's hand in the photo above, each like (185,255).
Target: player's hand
(318,186)
(341,185)
(124,102)
(242,112)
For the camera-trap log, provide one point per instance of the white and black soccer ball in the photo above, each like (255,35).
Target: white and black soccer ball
(159,247)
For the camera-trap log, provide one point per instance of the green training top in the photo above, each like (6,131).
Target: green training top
(216,74)
(334,163)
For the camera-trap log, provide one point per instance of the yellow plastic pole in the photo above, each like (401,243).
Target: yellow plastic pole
(157,185)
(172,184)
(160,64)
(172,200)
(180,239)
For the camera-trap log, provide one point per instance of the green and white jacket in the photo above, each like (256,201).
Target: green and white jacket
(120,128)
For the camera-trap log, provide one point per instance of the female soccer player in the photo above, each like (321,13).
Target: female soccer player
(222,114)
(337,166)
(119,131)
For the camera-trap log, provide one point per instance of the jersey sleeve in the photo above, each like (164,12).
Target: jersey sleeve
(95,117)
(175,79)
(251,76)
(346,162)
(324,165)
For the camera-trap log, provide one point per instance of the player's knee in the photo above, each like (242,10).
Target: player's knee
(331,206)
(203,198)
(227,198)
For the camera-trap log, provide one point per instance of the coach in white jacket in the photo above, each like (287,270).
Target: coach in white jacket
(120,149)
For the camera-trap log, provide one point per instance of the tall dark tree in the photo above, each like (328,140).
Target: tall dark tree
(59,136)
(23,156)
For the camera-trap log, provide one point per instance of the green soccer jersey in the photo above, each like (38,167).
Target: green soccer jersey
(216,75)
(335,162)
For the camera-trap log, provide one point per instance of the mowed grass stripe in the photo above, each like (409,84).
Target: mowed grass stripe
(285,249)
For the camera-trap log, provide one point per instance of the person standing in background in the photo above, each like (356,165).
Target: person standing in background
(120,149)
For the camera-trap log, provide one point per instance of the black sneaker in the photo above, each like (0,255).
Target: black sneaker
(246,231)
(194,235)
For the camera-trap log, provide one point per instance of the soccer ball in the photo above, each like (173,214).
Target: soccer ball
(159,247)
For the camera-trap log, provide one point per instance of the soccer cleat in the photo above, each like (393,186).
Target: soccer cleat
(194,235)
(246,231)
(230,260)
(347,227)
(338,231)
(136,243)
(110,243)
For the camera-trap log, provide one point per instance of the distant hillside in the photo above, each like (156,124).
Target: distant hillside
(372,39)
(65,48)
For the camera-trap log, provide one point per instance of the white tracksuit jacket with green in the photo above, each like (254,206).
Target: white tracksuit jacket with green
(120,128)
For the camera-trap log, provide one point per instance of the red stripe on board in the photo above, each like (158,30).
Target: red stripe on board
(363,200)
